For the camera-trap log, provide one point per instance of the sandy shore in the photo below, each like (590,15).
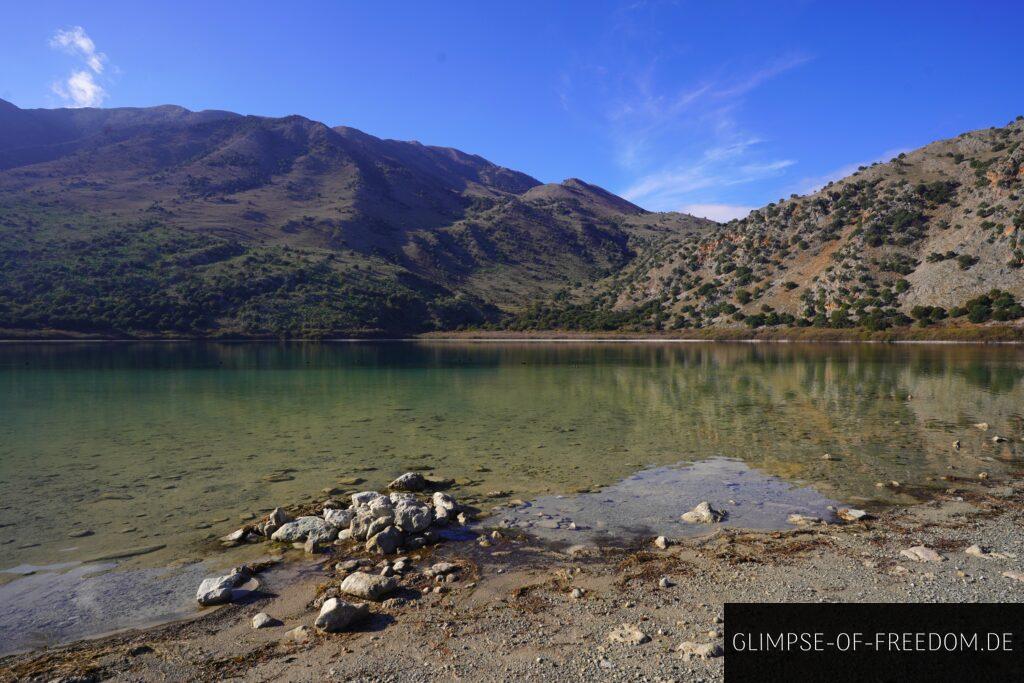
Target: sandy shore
(522,609)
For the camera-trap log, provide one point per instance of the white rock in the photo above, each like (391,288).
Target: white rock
(412,516)
(441,568)
(628,634)
(339,518)
(851,514)
(703,514)
(702,650)
(220,589)
(368,586)
(444,506)
(264,620)
(336,615)
(363,498)
(920,553)
(304,527)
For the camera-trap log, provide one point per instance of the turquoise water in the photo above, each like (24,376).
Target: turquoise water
(163,446)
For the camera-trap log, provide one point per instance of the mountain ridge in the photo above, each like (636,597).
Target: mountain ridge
(162,221)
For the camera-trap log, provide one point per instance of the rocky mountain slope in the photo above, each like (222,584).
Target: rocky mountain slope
(162,221)
(927,236)
(166,221)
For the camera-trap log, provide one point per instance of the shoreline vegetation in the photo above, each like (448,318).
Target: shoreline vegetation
(504,604)
(944,334)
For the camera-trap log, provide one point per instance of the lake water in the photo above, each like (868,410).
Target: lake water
(160,447)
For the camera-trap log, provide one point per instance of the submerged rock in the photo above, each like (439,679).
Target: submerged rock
(703,514)
(410,481)
(803,520)
(369,586)
(336,615)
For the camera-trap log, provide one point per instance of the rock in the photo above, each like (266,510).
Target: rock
(413,516)
(386,542)
(664,582)
(264,620)
(983,426)
(304,528)
(444,506)
(369,586)
(237,536)
(920,553)
(803,520)
(363,498)
(219,590)
(702,650)
(851,514)
(299,633)
(348,566)
(338,518)
(337,615)
(978,551)
(397,497)
(703,514)
(343,535)
(274,521)
(140,650)
(410,481)
(629,635)
(360,526)
(661,542)
(577,593)
(312,546)
(378,525)
(1016,576)
(441,568)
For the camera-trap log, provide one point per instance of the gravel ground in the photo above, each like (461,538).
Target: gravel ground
(524,611)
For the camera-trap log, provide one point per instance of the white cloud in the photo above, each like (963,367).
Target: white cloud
(813,184)
(80,88)
(717,212)
(668,188)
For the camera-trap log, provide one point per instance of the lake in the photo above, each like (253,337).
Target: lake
(162,447)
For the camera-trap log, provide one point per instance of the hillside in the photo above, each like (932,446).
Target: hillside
(926,237)
(166,222)
(163,221)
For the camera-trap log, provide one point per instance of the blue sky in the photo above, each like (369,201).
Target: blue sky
(702,106)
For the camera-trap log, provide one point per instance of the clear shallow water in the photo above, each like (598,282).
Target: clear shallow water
(166,444)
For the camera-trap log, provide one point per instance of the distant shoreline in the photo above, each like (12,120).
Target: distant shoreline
(996,334)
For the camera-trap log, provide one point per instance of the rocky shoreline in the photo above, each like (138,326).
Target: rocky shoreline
(506,605)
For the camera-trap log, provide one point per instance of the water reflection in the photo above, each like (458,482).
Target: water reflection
(149,444)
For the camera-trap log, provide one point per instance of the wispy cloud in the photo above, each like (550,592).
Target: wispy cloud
(815,183)
(717,212)
(686,144)
(80,88)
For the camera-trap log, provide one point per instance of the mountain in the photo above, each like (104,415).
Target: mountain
(164,221)
(932,236)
